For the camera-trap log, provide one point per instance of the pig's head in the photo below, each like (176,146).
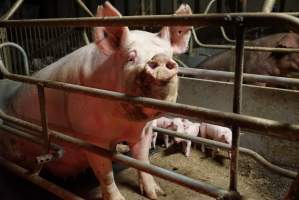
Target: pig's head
(287,62)
(145,66)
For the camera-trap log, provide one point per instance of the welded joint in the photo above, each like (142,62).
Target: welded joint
(57,153)
(231,195)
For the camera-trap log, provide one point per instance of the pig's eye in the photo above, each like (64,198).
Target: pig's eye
(132,56)
(153,64)
(171,65)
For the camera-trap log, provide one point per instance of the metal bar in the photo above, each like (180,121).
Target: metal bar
(270,127)
(25,58)
(209,5)
(268,6)
(43,116)
(82,5)
(237,98)
(214,74)
(247,48)
(199,140)
(250,19)
(34,178)
(190,183)
(293,192)
(12,10)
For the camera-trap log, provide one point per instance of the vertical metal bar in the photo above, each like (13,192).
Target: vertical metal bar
(282,5)
(293,193)
(174,5)
(197,6)
(126,7)
(39,40)
(48,40)
(158,7)
(151,7)
(237,99)
(268,6)
(44,122)
(219,6)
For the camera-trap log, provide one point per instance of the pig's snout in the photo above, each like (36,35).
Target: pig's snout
(160,69)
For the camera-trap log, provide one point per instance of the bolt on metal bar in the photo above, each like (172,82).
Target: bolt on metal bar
(260,159)
(269,127)
(12,10)
(214,74)
(237,98)
(268,6)
(190,183)
(32,137)
(36,179)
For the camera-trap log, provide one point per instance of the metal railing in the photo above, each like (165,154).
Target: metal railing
(269,127)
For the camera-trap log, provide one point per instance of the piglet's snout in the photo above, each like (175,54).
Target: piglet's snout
(160,69)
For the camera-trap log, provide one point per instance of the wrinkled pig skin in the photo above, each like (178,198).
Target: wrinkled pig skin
(261,62)
(137,63)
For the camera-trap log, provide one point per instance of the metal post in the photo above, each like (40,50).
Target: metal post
(44,124)
(293,192)
(237,99)
(268,6)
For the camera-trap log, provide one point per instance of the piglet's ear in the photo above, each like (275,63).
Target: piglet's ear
(109,39)
(178,36)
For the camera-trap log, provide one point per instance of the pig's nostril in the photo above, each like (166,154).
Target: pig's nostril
(171,65)
(153,65)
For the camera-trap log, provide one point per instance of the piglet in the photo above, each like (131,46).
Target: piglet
(215,132)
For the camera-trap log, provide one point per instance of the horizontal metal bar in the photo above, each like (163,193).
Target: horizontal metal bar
(193,184)
(36,179)
(247,48)
(249,19)
(215,74)
(269,127)
(199,140)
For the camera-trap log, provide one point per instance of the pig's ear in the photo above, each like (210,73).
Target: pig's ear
(178,36)
(109,39)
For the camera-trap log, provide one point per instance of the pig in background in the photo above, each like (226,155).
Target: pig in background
(260,62)
(185,126)
(217,133)
(137,63)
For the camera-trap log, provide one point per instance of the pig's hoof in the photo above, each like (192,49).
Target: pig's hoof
(148,186)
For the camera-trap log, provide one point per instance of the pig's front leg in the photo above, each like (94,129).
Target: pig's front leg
(187,147)
(140,151)
(154,140)
(102,167)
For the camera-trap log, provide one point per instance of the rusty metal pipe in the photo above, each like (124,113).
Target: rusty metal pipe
(214,74)
(269,127)
(36,179)
(257,157)
(268,6)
